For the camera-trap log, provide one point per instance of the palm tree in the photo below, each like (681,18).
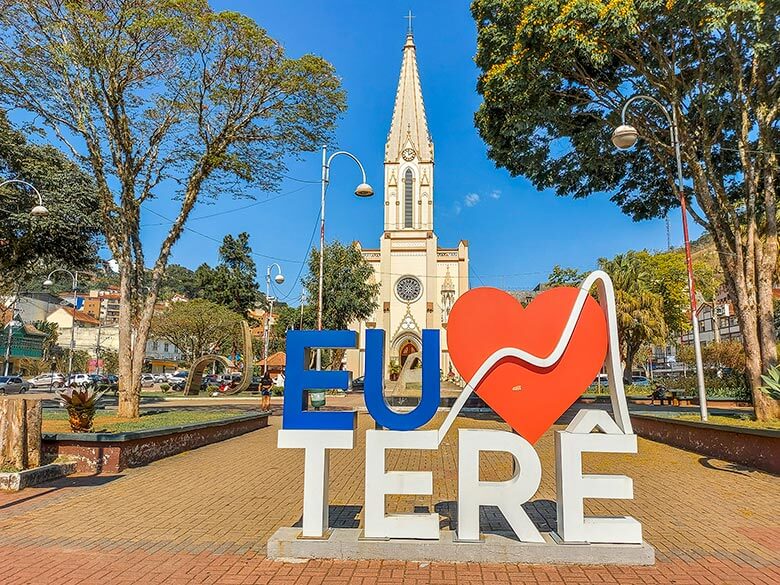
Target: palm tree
(640,312)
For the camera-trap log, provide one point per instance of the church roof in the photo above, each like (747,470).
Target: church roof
(409,127)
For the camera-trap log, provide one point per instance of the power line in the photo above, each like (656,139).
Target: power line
(213,239)
(303,264)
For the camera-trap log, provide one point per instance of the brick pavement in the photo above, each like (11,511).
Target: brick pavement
(204,517)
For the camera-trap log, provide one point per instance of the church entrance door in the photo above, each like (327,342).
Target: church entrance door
(407,349)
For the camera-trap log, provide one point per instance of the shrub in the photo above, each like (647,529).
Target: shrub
(81,404)
(277,391)
(165,387)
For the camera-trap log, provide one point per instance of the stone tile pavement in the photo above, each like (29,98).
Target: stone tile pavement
(205,516)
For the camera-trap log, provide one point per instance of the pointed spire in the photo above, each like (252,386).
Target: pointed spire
(409,127)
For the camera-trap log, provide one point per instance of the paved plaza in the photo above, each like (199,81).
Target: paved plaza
(205,516)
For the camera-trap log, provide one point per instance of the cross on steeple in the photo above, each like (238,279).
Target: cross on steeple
(409,17)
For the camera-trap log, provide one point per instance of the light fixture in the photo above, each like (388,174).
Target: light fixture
(624,136)
(364,190)
(39,211)
(279,278)
(48,282)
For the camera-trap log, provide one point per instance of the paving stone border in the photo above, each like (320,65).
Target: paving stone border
(16,481)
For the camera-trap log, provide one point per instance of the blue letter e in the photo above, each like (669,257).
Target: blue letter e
(299,380)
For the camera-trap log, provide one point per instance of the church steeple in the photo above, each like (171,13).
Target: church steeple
(409,152)
(409,128)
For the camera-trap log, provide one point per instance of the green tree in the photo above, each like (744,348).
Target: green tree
(198,328)
(167,99)
(349,292)
(668,277)
(565,277)
(555,74)
(110,360)
(287,318)
(233,282)
(50,342)
(68,235)
(179,280)
(640,311)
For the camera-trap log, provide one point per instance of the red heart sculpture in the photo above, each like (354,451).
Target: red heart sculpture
(530,399)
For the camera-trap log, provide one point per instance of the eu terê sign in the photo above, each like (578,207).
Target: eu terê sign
(529,365)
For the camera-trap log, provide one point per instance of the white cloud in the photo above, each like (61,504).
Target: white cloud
(471,199)
(458,208)
(495,194)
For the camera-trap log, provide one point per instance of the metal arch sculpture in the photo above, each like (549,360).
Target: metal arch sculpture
(195,376)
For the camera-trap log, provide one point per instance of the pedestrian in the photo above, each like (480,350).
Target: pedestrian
(266,383)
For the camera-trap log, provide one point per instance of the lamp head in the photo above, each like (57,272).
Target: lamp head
(364,190)
(48,282)
(624,136)
(279,279)
(39,211)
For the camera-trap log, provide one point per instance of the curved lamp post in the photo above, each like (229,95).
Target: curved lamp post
(278,279)
(625,136)
(38,210)
(75,277)
(362,190)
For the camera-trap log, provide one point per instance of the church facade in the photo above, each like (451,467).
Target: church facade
(419,280)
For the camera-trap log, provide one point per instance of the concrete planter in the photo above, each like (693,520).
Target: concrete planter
(751,447)
(113,452)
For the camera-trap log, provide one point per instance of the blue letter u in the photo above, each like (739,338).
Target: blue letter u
(431,388)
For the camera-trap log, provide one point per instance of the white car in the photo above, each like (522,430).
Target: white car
(147,380)
(51,380)
(78,380)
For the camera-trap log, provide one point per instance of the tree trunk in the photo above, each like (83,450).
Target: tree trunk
(20,432)
(129,376)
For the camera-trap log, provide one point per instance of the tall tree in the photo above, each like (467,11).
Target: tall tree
(69,234)
(640,311)
(233,282)
(565,276)
(161,98)
(349,292)
(197,327)
(555,74)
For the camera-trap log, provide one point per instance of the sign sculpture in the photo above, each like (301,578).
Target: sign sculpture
(529,365)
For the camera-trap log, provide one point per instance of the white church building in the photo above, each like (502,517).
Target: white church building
(419,280)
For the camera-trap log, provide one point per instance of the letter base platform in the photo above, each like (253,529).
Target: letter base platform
(349,544)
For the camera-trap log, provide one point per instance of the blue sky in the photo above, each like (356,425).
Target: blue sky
(516,233)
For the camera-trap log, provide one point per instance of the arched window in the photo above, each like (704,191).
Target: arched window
(408,198)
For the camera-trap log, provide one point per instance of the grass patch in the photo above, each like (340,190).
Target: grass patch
(9,469)
(741,420)
(57,421)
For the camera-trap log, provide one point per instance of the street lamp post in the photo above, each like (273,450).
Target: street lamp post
(75,277)
(625,136)
(362,190)
(38,210)
(278,279)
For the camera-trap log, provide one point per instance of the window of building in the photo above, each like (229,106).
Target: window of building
(408,198)
(167,347)
(155,345)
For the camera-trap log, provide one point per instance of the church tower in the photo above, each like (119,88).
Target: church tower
(409,153)
(418,281)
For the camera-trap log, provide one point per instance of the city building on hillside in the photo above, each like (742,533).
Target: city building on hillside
(419,281)
(162,356)
(26,342)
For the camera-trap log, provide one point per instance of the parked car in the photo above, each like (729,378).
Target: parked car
(358,384)
(160,378)
(640,381)
(601,380)
(147,380)
(51,380)
(13,385)
(79,380)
